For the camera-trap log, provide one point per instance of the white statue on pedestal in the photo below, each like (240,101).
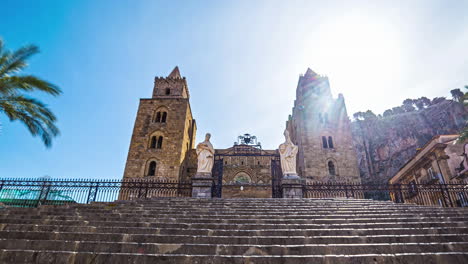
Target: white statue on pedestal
(288,153)
(205,152)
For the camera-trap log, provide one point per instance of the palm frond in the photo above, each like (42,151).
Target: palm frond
(34,114)
(16,61)
(1,46)
(27,83)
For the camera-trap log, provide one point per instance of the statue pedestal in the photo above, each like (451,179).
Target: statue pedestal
(202,184)
(291,185)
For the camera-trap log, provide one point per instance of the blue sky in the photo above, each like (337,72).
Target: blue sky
(242,60)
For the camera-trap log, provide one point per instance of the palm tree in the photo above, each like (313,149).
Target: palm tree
(15,105)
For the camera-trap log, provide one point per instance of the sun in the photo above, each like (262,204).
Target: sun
(356,52)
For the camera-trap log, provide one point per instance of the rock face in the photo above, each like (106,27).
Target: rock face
(383,145)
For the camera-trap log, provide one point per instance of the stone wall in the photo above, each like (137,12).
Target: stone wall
(385,144)
(246,191)
(170,95)
(317,115)
(169,157)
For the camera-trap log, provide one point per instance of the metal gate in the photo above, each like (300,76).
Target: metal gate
(276,175)
(217,177)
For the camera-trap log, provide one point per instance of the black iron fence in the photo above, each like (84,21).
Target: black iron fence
(446,195)
(36,192)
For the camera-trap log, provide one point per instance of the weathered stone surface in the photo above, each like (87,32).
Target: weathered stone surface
(292,187)
(320,127)
(170,95)
(202,184)
(384,145)
(235,231)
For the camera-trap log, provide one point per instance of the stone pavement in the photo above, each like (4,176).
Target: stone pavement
(188,230)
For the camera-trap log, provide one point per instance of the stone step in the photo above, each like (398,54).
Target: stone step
(233,232)
(11,237)
(192,215)
(160,224)
(195,213)
(32,256)
(234,249)
(67,211)
(239,221)
(249,205)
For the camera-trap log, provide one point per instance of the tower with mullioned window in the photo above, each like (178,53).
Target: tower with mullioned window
(320,126)
(164,131)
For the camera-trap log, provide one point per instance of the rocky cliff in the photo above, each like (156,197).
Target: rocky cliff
(385,144)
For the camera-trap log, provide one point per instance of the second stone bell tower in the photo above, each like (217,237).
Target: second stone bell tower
(320,126)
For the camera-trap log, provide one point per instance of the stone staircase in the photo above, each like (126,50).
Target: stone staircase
(187,230)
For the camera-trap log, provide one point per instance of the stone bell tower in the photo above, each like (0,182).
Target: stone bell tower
(164,131)
(320,126)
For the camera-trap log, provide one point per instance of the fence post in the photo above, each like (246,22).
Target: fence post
(146,189)
(447,192)
(400,194)
(93,189)
(43,194)
(443,195)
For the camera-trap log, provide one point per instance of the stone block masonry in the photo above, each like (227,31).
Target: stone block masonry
(174,230)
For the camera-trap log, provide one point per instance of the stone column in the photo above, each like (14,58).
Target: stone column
(291,186)
(202,183)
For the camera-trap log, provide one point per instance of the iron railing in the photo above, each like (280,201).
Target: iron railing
(36,192)
(446,195)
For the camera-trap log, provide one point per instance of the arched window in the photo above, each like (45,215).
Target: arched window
(153,142)
(161,117)
(168,91)
(152,168)
(158,117)
(160,141)
(330,142)
(331,168)
(242,177)
(324,142)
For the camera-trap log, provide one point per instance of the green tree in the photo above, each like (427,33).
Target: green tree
(39,120)
(408,105)
(398,110)
(369,115)
(388,112)
(437,100)
(464,132)
(425,101)
(358,116)
(457,95)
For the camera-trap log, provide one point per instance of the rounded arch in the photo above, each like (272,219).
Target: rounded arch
(332,167)
(151,168)
(242,177)
(156,139)
(160,114)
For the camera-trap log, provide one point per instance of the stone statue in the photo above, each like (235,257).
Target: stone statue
(205,152)
(288,153)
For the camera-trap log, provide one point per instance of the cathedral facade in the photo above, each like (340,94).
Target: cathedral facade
(163,140)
